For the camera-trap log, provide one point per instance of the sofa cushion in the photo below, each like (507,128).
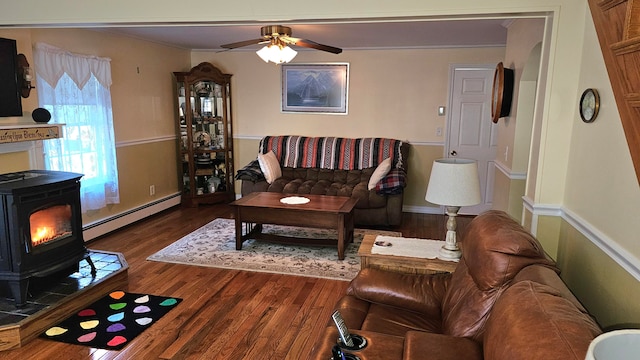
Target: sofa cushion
(419,293)
(360,314)
(494,249)
(380,172)
(441,347)
(396,321)
(350,183)
(269,166)
(548,276)
(534,321)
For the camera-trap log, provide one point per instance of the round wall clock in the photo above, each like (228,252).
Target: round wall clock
(502,92)
(589,105)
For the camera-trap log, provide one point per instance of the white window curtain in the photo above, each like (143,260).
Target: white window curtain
(75,89)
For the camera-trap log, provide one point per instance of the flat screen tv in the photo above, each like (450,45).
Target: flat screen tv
(10,101)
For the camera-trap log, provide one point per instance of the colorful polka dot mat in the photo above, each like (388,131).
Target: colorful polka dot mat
(113,321)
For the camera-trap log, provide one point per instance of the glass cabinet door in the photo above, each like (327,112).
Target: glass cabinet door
(209,132)
(205,135)
(208,137)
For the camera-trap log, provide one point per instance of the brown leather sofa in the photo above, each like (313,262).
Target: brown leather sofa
(505,300)
(336,167)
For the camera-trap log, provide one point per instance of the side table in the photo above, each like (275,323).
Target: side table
(403,264)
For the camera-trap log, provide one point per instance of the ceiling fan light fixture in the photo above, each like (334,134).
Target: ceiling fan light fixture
(276,54)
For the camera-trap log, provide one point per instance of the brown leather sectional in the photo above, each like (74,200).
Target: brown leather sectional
(505,300)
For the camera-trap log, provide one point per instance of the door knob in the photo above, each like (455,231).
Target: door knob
(454,153)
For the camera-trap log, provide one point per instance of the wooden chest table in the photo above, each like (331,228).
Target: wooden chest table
(403,264)
(326,212)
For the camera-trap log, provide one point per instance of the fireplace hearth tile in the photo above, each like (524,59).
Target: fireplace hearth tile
(6,318)
(7,307)
(52,290)
(18,326)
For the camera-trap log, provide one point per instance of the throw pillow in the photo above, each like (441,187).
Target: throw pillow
(269,166)
(381,171)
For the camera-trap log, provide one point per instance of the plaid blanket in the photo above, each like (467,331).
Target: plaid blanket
(251,172)
(393,183)
(331,152)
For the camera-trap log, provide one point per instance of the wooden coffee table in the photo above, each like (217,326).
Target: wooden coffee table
(326,212)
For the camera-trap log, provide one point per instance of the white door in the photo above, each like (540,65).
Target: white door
(471,133)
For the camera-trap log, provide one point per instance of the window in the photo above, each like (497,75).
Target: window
(75,89)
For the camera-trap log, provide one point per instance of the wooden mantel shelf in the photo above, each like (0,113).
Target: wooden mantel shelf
(11,133)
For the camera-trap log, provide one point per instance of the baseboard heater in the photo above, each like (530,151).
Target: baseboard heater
(105,226)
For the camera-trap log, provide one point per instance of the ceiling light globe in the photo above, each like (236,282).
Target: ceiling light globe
(276,54)
(287,54)
(264,53)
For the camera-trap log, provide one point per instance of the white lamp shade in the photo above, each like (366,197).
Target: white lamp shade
(454,182)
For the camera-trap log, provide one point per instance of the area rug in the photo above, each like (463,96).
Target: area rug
(214,245)
(113,321)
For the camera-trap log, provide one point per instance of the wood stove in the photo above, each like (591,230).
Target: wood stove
(41,227)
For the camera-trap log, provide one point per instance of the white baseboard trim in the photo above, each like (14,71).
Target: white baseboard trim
(99,228)
(621,256)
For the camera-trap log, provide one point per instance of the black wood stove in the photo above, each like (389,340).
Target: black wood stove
(41,227)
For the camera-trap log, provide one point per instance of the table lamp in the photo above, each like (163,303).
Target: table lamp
(453,183)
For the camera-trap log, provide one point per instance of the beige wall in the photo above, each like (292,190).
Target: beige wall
(392,94)
(15,161)
(601,184)
(143,110)
(142,89)
(605,288)
(508,195)
(601,194)
(524,37)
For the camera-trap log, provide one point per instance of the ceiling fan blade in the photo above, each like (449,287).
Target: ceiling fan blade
(242,43)
(314,45)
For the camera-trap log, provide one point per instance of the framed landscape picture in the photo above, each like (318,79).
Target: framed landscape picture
(315,88)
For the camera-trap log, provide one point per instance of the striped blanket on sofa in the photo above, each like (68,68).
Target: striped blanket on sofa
(332,152)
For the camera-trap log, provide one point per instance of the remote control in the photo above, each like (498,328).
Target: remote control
(342,329)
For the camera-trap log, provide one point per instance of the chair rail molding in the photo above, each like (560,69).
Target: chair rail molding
(620,255)
(509,173)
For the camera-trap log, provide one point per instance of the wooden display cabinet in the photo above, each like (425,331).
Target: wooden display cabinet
(206,135)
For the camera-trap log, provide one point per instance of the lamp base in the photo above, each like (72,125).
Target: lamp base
(450,250)
(447,254)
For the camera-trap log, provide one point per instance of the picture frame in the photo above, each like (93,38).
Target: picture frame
(315,88)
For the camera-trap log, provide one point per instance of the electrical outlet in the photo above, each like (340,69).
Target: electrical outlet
(438,131)
(152,190)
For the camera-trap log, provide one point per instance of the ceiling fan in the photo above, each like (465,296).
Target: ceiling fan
(281,36)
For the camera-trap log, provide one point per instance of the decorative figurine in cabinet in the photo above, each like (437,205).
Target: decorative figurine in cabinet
(206,135)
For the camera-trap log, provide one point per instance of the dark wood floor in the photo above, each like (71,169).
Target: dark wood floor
(226,314)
